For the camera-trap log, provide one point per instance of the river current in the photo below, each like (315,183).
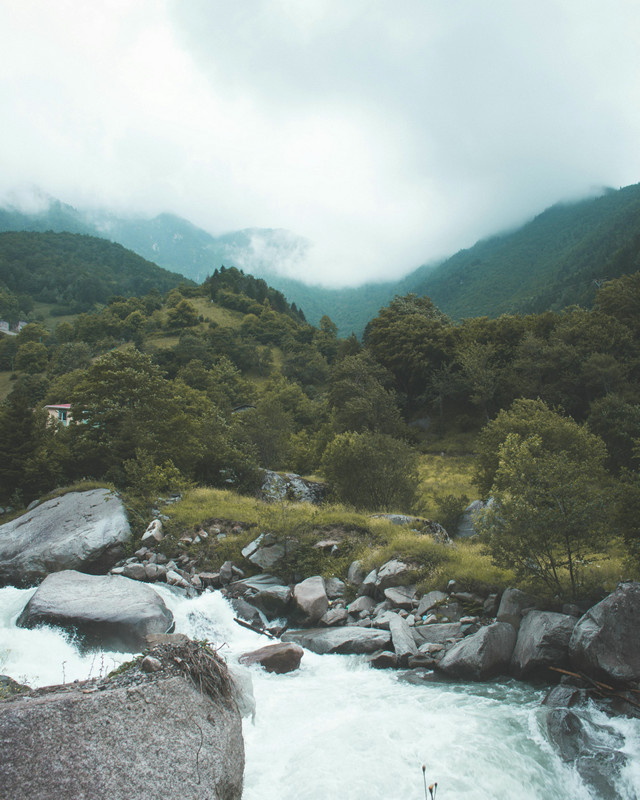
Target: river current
(339,730)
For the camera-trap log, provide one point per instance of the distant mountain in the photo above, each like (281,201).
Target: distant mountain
(557,259)
(176,244)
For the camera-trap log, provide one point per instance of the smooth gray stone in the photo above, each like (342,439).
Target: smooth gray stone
(79,530)
(106,610)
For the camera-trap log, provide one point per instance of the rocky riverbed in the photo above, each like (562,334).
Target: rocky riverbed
(592,653)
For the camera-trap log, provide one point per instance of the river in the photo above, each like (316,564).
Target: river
(339,730)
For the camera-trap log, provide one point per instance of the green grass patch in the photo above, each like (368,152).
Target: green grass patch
(225,317)
(50,321)
(445,486)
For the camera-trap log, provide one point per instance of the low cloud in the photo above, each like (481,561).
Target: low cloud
(383,137)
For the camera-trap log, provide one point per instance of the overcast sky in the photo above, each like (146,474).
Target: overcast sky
(386,133)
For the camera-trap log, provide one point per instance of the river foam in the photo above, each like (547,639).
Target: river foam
(339,729)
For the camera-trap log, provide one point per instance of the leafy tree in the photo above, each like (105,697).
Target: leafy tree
(617,422)
(360,397)
(182,315)
(411,338)
(527,418)
(268,428)
(70,356)
(32,357)
(32,452)
(371,470)
(548,517)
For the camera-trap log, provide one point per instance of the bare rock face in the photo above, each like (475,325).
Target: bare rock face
(605,642)
(115,612)
(311,599)
(279,658)
(276,487)
(481,655)
(79,530)
(349,639)
(543,642)
(173,733)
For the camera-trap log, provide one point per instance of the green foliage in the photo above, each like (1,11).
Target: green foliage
(412,339)
(361,398)
(74,270)
(549,513)
(527,418)
(32,453)
(551,262)
(148,479)
(371,470)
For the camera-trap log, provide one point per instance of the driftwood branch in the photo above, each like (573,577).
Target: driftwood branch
(253,628)
(602,689)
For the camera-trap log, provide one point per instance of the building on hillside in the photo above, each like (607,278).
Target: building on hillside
(60,413)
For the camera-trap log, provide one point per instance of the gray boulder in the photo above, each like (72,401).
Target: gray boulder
(429,601)
(368,585)
(335,588)
(402,640)
(605,642)
(383,659)
(111,611)
(392,573)
(311,599)
(173,733)
(401,596)
(437,633)
(543,642)
(289,486)
(79,530)
(362,606)
(265,552)
(279,658)
(334,616)
(356,573)
(590,748)
(512,605)
(349,639)
(466,523)
(481,655)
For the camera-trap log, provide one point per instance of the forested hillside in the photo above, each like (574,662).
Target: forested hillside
(72,271)
(208,385)
(556,260)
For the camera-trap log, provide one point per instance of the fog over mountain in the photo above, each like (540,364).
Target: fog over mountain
(382,137)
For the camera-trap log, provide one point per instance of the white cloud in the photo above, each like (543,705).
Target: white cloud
(385,135)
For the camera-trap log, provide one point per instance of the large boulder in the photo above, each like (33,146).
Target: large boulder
(543,642)
(111,611)
(392,573)
(402,639)
(311,599)
(78,530)
(171,733)
(605,642)
(349,639)
(481,655)
(430,601)
(591,749)
(466,524)
(276,487)
(513,604)
(279,658)
(438,633)
(265,551)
